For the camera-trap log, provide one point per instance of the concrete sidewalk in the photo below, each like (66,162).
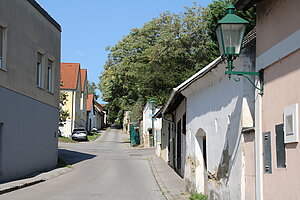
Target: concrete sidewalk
(170,183)
(34,179)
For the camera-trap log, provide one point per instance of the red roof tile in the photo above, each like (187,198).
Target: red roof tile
(89,102)
(83,74)
(69,75)
(98,106)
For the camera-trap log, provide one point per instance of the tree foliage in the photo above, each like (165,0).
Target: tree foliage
(92,89)
(151,60)
(63,114)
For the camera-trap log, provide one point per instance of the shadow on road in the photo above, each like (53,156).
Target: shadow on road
(72,157)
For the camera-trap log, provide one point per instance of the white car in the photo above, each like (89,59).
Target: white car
(79,134)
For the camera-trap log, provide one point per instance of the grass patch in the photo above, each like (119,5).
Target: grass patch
(66,140)
(93,136)
(61,163)
(197,196)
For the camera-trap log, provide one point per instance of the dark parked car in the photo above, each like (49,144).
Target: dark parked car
(79,134)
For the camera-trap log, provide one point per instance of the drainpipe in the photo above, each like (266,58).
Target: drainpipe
(258,145)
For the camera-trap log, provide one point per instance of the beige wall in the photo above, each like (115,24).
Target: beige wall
(276,19)
(29,32)
(249,156)
(282,88)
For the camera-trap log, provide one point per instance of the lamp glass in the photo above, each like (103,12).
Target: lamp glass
(220,39)
(232,35)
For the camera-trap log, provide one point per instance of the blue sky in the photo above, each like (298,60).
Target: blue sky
(91,25)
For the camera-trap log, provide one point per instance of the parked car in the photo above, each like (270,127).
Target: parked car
(79,134)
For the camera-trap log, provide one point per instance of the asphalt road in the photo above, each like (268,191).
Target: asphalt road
(105,169)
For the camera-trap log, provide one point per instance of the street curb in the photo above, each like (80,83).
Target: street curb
(165,190)
(19,184)
(162,187)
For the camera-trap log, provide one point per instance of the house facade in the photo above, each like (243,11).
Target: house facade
(96,114)
(30,43)
(208,123)
(71,85)
(277,124)
(83,98)
(147,138)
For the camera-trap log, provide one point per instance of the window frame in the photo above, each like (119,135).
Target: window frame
(50,78)
(3,46)
(39,69)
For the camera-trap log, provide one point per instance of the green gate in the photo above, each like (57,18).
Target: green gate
(134,136)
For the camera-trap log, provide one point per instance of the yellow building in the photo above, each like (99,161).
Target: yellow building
(71,85)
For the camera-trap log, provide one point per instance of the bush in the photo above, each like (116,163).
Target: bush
(197,196)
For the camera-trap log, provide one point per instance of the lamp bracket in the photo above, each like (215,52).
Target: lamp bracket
(247,75)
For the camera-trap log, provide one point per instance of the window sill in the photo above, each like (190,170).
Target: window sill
(3,69)
(50,92)
(40,87)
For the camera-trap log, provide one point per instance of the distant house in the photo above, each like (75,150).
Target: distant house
(149,140)
(95,114)
(71,85)
(30,43)
(83,98)
(99,116)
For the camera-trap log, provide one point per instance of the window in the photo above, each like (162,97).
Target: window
(291,123)
(39,70)
(49,75)
(1,147)
(1,46)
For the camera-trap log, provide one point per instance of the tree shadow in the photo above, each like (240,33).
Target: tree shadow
(73,157)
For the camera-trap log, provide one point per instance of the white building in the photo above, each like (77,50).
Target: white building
(206,124)
(147,127)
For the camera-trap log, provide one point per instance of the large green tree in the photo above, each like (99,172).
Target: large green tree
(151,60)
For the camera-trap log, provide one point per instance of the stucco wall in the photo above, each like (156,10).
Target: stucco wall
(29,136)
(68,124)
(147,125)
(282,89)
(29,32)
(276,19)
(215,109)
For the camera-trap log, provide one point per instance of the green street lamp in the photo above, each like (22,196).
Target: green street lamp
(230,33)
(152,103)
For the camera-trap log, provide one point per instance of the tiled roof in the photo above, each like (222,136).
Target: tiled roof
(98,106)
(89,102)
(83,74)
(69,75)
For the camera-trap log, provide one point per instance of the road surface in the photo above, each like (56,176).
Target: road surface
(105,169)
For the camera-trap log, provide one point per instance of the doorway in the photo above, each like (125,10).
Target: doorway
(201,159)
(178,148)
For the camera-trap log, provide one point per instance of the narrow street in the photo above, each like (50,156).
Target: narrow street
(104,169)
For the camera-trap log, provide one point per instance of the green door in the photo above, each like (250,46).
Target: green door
(134,136)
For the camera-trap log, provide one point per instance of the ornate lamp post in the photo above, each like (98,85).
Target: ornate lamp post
(230,33)
(152,103)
